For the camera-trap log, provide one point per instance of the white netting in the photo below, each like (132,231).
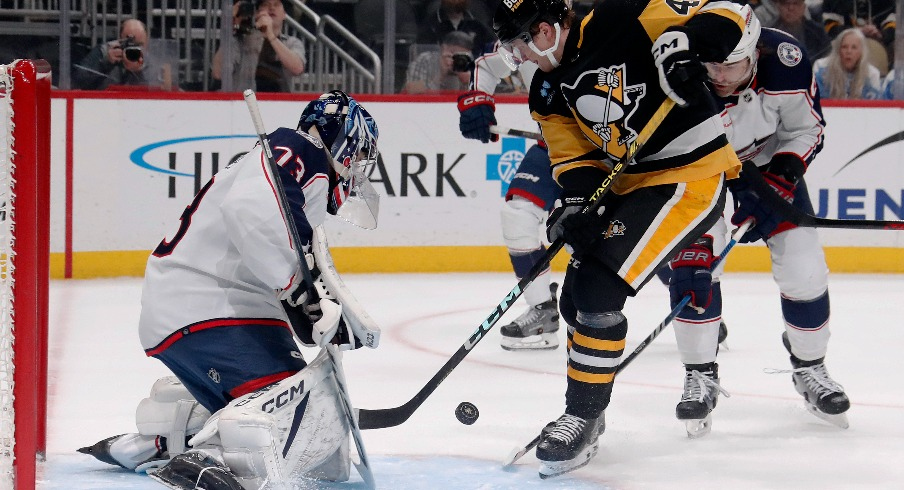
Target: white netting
(7,333)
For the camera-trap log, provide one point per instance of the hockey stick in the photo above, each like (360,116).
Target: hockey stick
(516,132)
(796,216)
(391,417)
(517,453)
(273,173)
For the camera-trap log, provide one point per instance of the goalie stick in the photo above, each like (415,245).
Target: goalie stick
(798,217)
(516,132)
(391,417)
(363,465)
(517,453)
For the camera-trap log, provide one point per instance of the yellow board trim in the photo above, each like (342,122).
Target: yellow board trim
(87,265)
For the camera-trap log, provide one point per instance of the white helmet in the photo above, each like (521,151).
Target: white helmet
(746,47)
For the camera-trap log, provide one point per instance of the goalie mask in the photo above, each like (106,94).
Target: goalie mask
(350,133)
(513,21)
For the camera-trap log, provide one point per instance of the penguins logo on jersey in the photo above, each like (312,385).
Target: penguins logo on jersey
(602,102)
(616,228)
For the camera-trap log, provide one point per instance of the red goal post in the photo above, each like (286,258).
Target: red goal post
(24,268)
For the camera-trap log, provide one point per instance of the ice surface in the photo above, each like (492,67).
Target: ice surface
(762,436)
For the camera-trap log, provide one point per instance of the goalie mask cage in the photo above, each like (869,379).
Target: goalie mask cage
(24,268)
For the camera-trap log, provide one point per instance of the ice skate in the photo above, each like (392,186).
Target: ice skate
(196,471)
(570,444)
(723,334)
(701,392)
(536,328)
(823,397)
(129,450)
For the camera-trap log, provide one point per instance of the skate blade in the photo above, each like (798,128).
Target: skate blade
(544,341)
(839,420)
(550,469)
(697,428)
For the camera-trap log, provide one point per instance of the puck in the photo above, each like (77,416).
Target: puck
(467,413)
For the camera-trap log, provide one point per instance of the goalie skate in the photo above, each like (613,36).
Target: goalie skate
(196,471)
(701,392)
(536,328)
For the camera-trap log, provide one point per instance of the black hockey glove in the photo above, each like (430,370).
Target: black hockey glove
(681,74)
(750,204)
(580,231)
(692,274)
(478,113)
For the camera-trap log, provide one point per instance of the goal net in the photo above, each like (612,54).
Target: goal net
(24,268)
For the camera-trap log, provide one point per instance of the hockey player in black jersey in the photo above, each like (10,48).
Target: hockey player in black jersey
(771,110)
(601,79)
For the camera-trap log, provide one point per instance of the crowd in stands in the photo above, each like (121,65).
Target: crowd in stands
(849,42)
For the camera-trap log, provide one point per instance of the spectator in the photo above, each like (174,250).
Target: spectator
(875,18)
(118,62)
(766,10)
(264,59)
(455,15)
(433,71)
(792,18)
(888,85)
(845,73)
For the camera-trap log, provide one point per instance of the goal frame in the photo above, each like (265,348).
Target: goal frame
(29,208)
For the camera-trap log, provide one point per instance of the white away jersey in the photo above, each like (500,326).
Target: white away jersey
(232,250)
(780,111)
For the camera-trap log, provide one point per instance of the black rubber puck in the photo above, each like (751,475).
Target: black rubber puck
(467,413)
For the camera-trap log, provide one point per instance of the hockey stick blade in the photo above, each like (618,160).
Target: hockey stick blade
(391,417)
(517,453)
(516,132)
(796,216)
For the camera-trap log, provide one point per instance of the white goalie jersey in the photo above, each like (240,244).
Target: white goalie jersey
(232,249)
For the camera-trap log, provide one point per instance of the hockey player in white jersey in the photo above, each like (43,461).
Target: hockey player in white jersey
(773,119)
(223,296)
(528,200)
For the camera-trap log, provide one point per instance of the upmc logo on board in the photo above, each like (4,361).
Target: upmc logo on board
(503,166)
(174,155)
(415,175)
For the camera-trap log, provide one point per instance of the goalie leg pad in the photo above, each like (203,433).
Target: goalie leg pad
(277,434)
(170,411)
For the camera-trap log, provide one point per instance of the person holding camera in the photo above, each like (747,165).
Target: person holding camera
(118,62)
(437,71)
(263,58)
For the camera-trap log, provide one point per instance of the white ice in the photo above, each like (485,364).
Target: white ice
(762,436)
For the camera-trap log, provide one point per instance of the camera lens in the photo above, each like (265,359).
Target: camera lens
(132,53)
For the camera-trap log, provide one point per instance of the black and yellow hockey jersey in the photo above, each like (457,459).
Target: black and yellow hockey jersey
(588,125)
